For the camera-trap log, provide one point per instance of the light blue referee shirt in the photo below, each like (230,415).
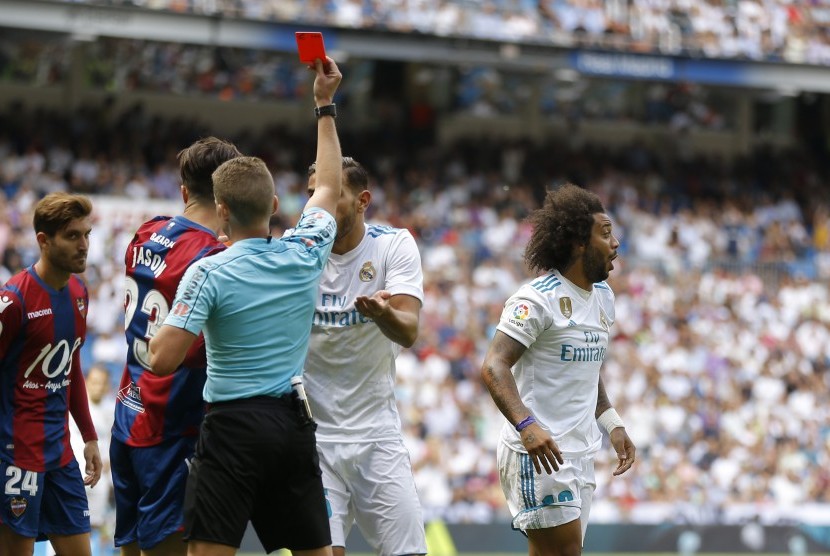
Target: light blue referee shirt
(254,302)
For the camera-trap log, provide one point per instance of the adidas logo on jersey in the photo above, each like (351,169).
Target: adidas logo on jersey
(571,323)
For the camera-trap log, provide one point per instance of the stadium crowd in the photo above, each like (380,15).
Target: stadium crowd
(135,65)
(126,65)
(773,30)
(721,344)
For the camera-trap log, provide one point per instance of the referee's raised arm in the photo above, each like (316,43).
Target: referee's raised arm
(329,162)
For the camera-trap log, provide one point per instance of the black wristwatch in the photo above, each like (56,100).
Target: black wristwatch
(328,110)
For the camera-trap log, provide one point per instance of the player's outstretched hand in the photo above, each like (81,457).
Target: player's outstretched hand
(327,80)
(625,450)
(541,448)
(94,465)
(373,306)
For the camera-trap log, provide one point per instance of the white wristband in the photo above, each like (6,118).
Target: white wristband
(610,420)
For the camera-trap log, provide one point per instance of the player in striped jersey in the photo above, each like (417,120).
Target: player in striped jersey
(543,372)
(42,326)
(368,309)
(157,418)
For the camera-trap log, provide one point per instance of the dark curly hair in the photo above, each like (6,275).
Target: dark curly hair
(564,221)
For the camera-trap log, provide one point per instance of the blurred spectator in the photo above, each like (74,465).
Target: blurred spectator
(102,410)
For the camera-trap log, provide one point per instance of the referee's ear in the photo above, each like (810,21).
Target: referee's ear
(222,213)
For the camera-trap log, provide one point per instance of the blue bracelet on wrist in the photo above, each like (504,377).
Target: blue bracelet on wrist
(526,422)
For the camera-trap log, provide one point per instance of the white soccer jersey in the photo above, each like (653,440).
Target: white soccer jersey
(350,366)
(567,338)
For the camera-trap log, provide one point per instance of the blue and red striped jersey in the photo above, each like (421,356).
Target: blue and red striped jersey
(150,409)
(41,332)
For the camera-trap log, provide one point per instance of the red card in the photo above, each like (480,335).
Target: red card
(310,46)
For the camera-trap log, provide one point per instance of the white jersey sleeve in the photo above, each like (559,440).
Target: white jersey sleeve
(403,267)
(525,316)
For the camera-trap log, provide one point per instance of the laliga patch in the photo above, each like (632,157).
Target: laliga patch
(367,272)
(521,311)
(18,506)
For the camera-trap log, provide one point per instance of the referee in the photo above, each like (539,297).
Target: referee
(256,458)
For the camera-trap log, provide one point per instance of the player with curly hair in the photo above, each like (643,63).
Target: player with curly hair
(543,371)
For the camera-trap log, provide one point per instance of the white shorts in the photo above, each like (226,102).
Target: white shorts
(542,501)
(371,484)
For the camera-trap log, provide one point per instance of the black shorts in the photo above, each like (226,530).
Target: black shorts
(256,460)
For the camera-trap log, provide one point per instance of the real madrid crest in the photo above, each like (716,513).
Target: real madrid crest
(566,307)
(367,272)
(602,320)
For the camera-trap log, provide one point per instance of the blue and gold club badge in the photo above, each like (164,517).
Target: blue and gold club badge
(367,272)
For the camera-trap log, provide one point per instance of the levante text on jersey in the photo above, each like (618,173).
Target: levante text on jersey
(149,408)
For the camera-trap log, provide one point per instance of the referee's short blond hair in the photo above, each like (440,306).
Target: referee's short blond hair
(246,187)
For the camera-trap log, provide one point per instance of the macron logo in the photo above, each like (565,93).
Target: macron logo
(5,301)
(41,313)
